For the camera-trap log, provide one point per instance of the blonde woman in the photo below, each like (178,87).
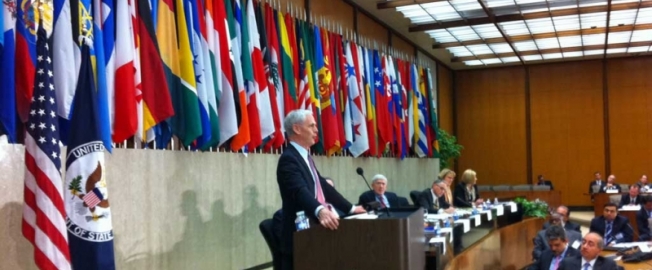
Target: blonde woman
(466,193)
(447,176)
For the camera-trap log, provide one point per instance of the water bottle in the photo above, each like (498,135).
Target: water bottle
(301,222)
(456,216)
(475,211)
(436,227)
(496,201)
(447,223)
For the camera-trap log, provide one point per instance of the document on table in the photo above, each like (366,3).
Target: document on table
(440,239)
(477,220)
(466,223)
(500,210)
(362,216)
(448,230)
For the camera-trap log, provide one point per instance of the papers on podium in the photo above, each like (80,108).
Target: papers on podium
(635,207)
(362,216)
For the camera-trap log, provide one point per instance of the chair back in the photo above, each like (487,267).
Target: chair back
(403,202)
(615,199)
(595,188)
(267,230)
(522,187)
(541,188)
(414,195)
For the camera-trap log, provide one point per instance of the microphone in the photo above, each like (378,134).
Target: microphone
(374,204)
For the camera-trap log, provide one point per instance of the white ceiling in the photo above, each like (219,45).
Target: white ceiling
(536,30)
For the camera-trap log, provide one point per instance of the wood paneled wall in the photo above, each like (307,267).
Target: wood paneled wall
(336,11)
(568,125)
(490,108)
(445,98)
(584,116)
(629,83)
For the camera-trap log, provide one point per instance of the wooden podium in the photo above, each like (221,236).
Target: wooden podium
(394,242)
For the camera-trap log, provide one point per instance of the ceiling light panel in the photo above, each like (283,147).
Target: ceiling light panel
(619,37)
(479,49)
(593,52)
(641,35)
(498,3)
(592,3)
(487,31)
(638,49)
(491,61)
(460,51)
(466,5)
(597,19)
(565,23)
(441,11)
(532,57)
(415,13)
(501,48)
(624,17)
(547,43)
(528,45)
(570,41)
(595,39)
(463,33)
(538,26)
(616,50)
(572,54)
(510,59)
(552,56)
(441,35)
(514,28)
(473,63)
(644,16)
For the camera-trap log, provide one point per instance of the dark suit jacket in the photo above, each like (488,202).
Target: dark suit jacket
(546,183)
(574,263)
(625,200)
(541,243)
(644,233)
(547,256)
(425,201)
(370,196)
(620,225)
(296,184)
(461,196)
(603,188)
(569,226)
(594,183)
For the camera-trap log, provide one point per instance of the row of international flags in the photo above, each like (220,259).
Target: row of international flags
(216,74)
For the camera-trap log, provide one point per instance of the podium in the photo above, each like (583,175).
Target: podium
(394,242)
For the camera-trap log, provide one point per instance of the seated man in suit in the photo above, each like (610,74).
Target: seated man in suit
(301,186)
(543,182)
(610,185)
(559,249)
(645,186)
(433,199)
(379,193)
(612,227)
(589,258)
(597,182)
(632,198)
(541,241)
(568,225)
(642,217)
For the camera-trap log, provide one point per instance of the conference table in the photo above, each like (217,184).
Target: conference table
(482,241)
(629,266)
(552,197)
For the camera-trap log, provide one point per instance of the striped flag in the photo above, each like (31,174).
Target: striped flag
(269,36)
(431,91)
(125,118)
(358,121)
(242,138)
(43,211)
(421,134)
(7,74)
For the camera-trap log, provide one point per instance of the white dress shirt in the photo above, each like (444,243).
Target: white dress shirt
(592,263)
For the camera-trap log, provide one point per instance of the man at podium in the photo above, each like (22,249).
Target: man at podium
(302,187)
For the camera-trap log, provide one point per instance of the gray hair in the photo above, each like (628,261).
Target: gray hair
(378,177)
(293,118)
(555,232)
(438,182)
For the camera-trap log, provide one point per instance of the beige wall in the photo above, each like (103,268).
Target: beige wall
(186,210)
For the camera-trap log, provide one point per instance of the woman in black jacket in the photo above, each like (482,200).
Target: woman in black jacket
(466,193)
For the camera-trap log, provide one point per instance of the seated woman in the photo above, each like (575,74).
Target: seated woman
(466,193)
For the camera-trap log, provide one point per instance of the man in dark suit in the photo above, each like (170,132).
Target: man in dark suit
(568,225)
(610,185)
(543,182)
(614,228)
(379,194)
(632,198)
(559,248)
(589,256)
(597,182)
(433,199)
(541,241)
(645,186)
(642,217)
(302,187)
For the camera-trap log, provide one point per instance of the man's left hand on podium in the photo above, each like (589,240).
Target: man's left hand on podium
(359,210)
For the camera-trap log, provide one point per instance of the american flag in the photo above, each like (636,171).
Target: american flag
(93,198)
(43,211)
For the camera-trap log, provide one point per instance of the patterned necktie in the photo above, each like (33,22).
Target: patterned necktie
(607,234)
(382,202)
(557,260)
(318,191)
(586,266)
